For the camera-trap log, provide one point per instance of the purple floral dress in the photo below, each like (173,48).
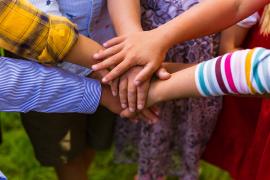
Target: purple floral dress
(172,146)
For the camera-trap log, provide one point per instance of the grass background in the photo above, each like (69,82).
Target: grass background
(17,160)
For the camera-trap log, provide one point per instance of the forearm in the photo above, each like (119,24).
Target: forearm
(232,39)
(126,15)
(28,86)
(180,85)
(244,72)
(83,51)
(206,18)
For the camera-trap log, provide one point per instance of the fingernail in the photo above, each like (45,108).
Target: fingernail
(114,93)
(104,44)
(96,55)
(104,80)
(140,107)
(131,109)
(137,82)
(166,73)
(94,67)
(155,120)
(123,106)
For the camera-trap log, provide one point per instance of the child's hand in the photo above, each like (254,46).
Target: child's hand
(155,94)
(134,97)
(100,74)
(130,95)
(144,48)
(113,104)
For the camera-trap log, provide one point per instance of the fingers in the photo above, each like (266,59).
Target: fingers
(163,74)
(107,63)
(118,70)
(123,85)
(132,96)
(155,109)
(108,52)
(127,114)
(114,41)
(142,92)
(150,116)
(145,74)
(147,115)
(114,87)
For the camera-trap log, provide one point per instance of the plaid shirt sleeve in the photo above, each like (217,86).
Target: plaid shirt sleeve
(28,32)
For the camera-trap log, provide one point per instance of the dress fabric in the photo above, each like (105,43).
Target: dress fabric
(172,146)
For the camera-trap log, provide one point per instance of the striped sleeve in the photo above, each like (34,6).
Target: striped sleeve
(29,86)
(240,72)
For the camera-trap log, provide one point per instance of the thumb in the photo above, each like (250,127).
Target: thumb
(163,74)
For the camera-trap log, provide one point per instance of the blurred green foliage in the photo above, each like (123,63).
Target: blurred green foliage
(17,160)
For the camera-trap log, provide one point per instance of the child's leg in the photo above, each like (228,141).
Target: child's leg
(60,141)
(76,168)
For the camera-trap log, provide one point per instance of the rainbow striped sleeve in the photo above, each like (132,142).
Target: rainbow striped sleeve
(240,72)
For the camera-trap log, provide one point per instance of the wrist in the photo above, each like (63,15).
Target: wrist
(155,94)
(166,35)
(130,29)
(104,96)
(161,38)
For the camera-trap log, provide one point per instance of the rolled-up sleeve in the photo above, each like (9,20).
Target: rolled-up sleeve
(28,86)
(30,33)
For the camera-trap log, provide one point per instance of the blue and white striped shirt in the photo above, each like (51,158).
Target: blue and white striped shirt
(28,86)
(2,176)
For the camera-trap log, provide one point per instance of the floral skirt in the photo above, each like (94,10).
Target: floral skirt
(172,146)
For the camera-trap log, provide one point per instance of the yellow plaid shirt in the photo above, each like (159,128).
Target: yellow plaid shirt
(28,32)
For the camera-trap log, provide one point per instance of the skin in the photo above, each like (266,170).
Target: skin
(131,96)
(140,48)
(82,55)
(180,85)
(232,39)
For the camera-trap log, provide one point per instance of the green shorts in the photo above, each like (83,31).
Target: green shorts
(57,138)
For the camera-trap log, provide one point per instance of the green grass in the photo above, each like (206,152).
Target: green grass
(17,160)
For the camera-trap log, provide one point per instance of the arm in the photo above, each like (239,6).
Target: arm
(126,15)
(28,32)
(82,52)
(242,72)
(188,25)
(28,86)
(149,48)
(233,37)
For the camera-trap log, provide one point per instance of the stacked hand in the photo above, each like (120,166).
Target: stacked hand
(143,48)
(133,59)
(113,104)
